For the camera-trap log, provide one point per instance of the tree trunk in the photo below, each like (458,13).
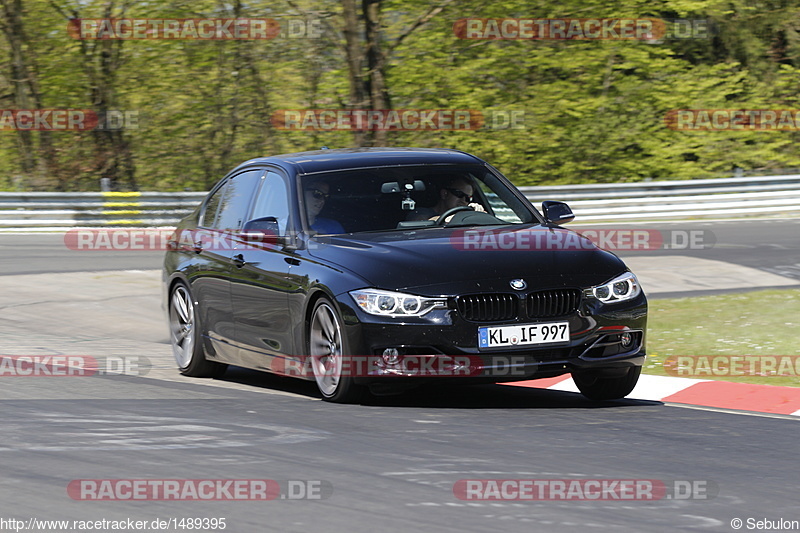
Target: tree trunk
(376,61)
(27,95)
(101,60)
(355,60)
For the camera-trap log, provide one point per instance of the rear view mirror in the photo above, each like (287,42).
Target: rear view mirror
(393,186)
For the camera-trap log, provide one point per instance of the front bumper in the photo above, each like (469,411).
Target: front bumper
(444,345)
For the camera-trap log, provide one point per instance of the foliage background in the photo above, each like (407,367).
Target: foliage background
(594,111)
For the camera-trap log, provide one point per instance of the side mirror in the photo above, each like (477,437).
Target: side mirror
(263,230)
(557,212)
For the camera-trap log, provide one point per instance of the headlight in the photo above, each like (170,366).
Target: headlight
(619,289)
(387,303)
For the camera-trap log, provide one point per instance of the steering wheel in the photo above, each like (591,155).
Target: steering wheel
(443,217)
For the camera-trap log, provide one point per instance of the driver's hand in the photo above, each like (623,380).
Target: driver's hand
(477,207)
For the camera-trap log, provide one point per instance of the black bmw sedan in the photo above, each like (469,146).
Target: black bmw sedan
(383,268)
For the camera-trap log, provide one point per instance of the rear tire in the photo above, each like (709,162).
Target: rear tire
(185,336)
(327,347)
(596,387)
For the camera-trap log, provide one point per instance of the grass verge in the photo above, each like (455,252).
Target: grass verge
(761,323)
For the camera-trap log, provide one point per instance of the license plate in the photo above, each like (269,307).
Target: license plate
(523,334)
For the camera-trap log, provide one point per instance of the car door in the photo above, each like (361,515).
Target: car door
(260,283)
(222,220)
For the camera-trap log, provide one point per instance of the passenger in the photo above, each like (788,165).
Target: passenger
(316,193)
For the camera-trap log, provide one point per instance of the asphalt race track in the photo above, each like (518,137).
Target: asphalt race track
(392,464)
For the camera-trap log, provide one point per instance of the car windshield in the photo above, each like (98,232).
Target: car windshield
(401,197)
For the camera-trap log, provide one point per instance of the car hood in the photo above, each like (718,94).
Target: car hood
(442,261)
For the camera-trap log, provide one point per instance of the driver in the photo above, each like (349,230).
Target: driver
(457,192)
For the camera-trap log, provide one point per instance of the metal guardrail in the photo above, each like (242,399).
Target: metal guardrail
(677,199)
(660,200)
(95,209)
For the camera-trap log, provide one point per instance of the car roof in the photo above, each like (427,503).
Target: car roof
(350,158)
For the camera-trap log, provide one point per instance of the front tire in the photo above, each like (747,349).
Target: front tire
(326,349)
(185,336)
(597,387)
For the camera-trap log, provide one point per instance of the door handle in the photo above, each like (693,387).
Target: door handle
(292,261)
(239,261)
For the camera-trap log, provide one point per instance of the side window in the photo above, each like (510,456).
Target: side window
(498,206)
(235,200)
(212,206)
(273,201)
